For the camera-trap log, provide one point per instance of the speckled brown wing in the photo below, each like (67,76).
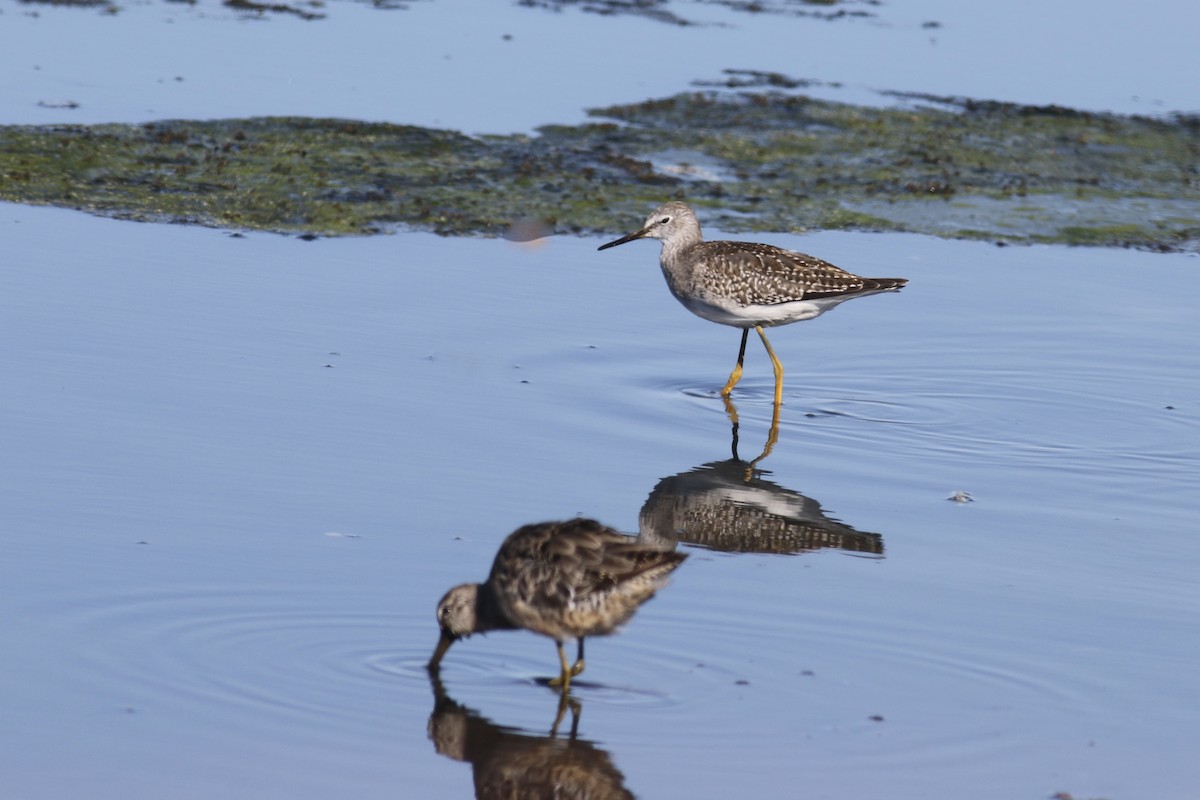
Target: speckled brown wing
(575,578)
(761,274)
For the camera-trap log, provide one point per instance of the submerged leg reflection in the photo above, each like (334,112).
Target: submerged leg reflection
(565,701)
(772,435)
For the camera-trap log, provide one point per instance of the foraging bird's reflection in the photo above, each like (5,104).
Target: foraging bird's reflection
(509,763)
(728,505)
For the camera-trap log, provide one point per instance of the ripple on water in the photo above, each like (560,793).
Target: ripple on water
(1078,420)
(246,657)
(1093,424)
(731,649)
(805,680)
(490,669)
(276,659)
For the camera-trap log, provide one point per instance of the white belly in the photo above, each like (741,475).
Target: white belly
(767,315)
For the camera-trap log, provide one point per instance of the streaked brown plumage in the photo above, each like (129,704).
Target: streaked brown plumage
(730,506)
(565,580)
(746,284)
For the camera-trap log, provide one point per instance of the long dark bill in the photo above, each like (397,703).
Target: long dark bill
(624,239)
(442,646)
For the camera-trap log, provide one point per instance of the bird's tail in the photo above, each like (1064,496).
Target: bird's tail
(884,284)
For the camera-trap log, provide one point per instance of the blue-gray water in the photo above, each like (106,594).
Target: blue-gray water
(239,472)
(504,68)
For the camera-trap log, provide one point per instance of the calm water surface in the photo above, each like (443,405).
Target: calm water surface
(240,471)
(504,68)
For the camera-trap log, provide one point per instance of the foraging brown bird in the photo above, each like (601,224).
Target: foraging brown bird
(565,580)
(745,284)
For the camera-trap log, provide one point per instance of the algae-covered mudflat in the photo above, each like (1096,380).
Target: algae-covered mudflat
(755,160)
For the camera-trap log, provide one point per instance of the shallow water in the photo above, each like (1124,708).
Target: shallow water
(240,471)
(505,68)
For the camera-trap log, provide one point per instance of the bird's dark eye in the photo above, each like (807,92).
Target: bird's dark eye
(664,220)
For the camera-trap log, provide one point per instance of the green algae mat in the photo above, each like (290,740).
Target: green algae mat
(757,161)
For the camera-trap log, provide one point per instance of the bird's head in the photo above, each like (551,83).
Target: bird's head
(672,220)
(457,618)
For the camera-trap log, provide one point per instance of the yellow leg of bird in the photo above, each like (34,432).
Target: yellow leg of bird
(736,375)
(564,678)
(775,363)
(577,667)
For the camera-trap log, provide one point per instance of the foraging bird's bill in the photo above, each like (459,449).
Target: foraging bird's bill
(444,642)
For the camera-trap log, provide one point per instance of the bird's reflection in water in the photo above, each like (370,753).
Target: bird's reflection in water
(728,505)
(511,763)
